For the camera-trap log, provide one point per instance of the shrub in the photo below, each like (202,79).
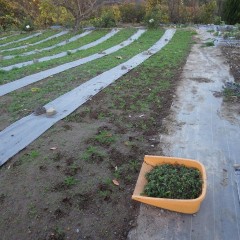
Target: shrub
(116,12)
(27,25)
(217,20)
(207,12)
(7,21)
(59,15)
(106,20)
(152,19)
(132,13)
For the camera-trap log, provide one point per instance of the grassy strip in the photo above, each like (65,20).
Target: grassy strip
(24,101)
(16,37)
(147,90)
(25,71)
(44,35)
(6,34)
(48,43)
(152,77)
(73,45)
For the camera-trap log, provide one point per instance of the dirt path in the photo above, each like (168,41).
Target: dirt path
(203,127)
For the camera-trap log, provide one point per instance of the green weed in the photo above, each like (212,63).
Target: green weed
(105,137)
(105,194)
(32,211)
(208,44)
(173,181)
(70,181)
(93,153)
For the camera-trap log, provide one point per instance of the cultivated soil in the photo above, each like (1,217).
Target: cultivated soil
(232,54)
(61,186)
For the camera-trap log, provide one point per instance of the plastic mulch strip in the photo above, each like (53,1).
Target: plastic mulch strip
(24,131)
(9,87)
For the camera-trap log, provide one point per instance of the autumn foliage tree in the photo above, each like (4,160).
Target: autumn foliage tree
(11,14)
(80,9)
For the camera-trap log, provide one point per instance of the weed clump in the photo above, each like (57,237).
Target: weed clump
(208,44)
(173,181)
(231,89)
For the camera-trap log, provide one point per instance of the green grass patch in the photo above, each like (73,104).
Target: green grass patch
(16,37)
(70,181)
(44,35)
(92,154)
(21,72)
(105,138)
(48,43)
(151,79)
(69,46)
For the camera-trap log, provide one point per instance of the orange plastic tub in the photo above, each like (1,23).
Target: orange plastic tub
(178,205)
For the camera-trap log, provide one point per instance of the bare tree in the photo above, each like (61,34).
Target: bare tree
(173,6)
(80,9)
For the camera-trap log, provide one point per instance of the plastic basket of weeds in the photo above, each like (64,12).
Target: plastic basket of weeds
(188,206)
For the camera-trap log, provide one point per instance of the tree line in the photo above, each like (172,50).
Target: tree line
(42,13)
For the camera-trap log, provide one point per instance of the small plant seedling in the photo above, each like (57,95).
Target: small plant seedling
(33,154)
(58,233)
(105,137)
(173,181)
(32,210)
(134,165)
(69,181)
(104,194)
(93,153)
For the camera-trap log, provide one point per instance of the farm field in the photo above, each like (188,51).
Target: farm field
(63,181)
(119,94)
